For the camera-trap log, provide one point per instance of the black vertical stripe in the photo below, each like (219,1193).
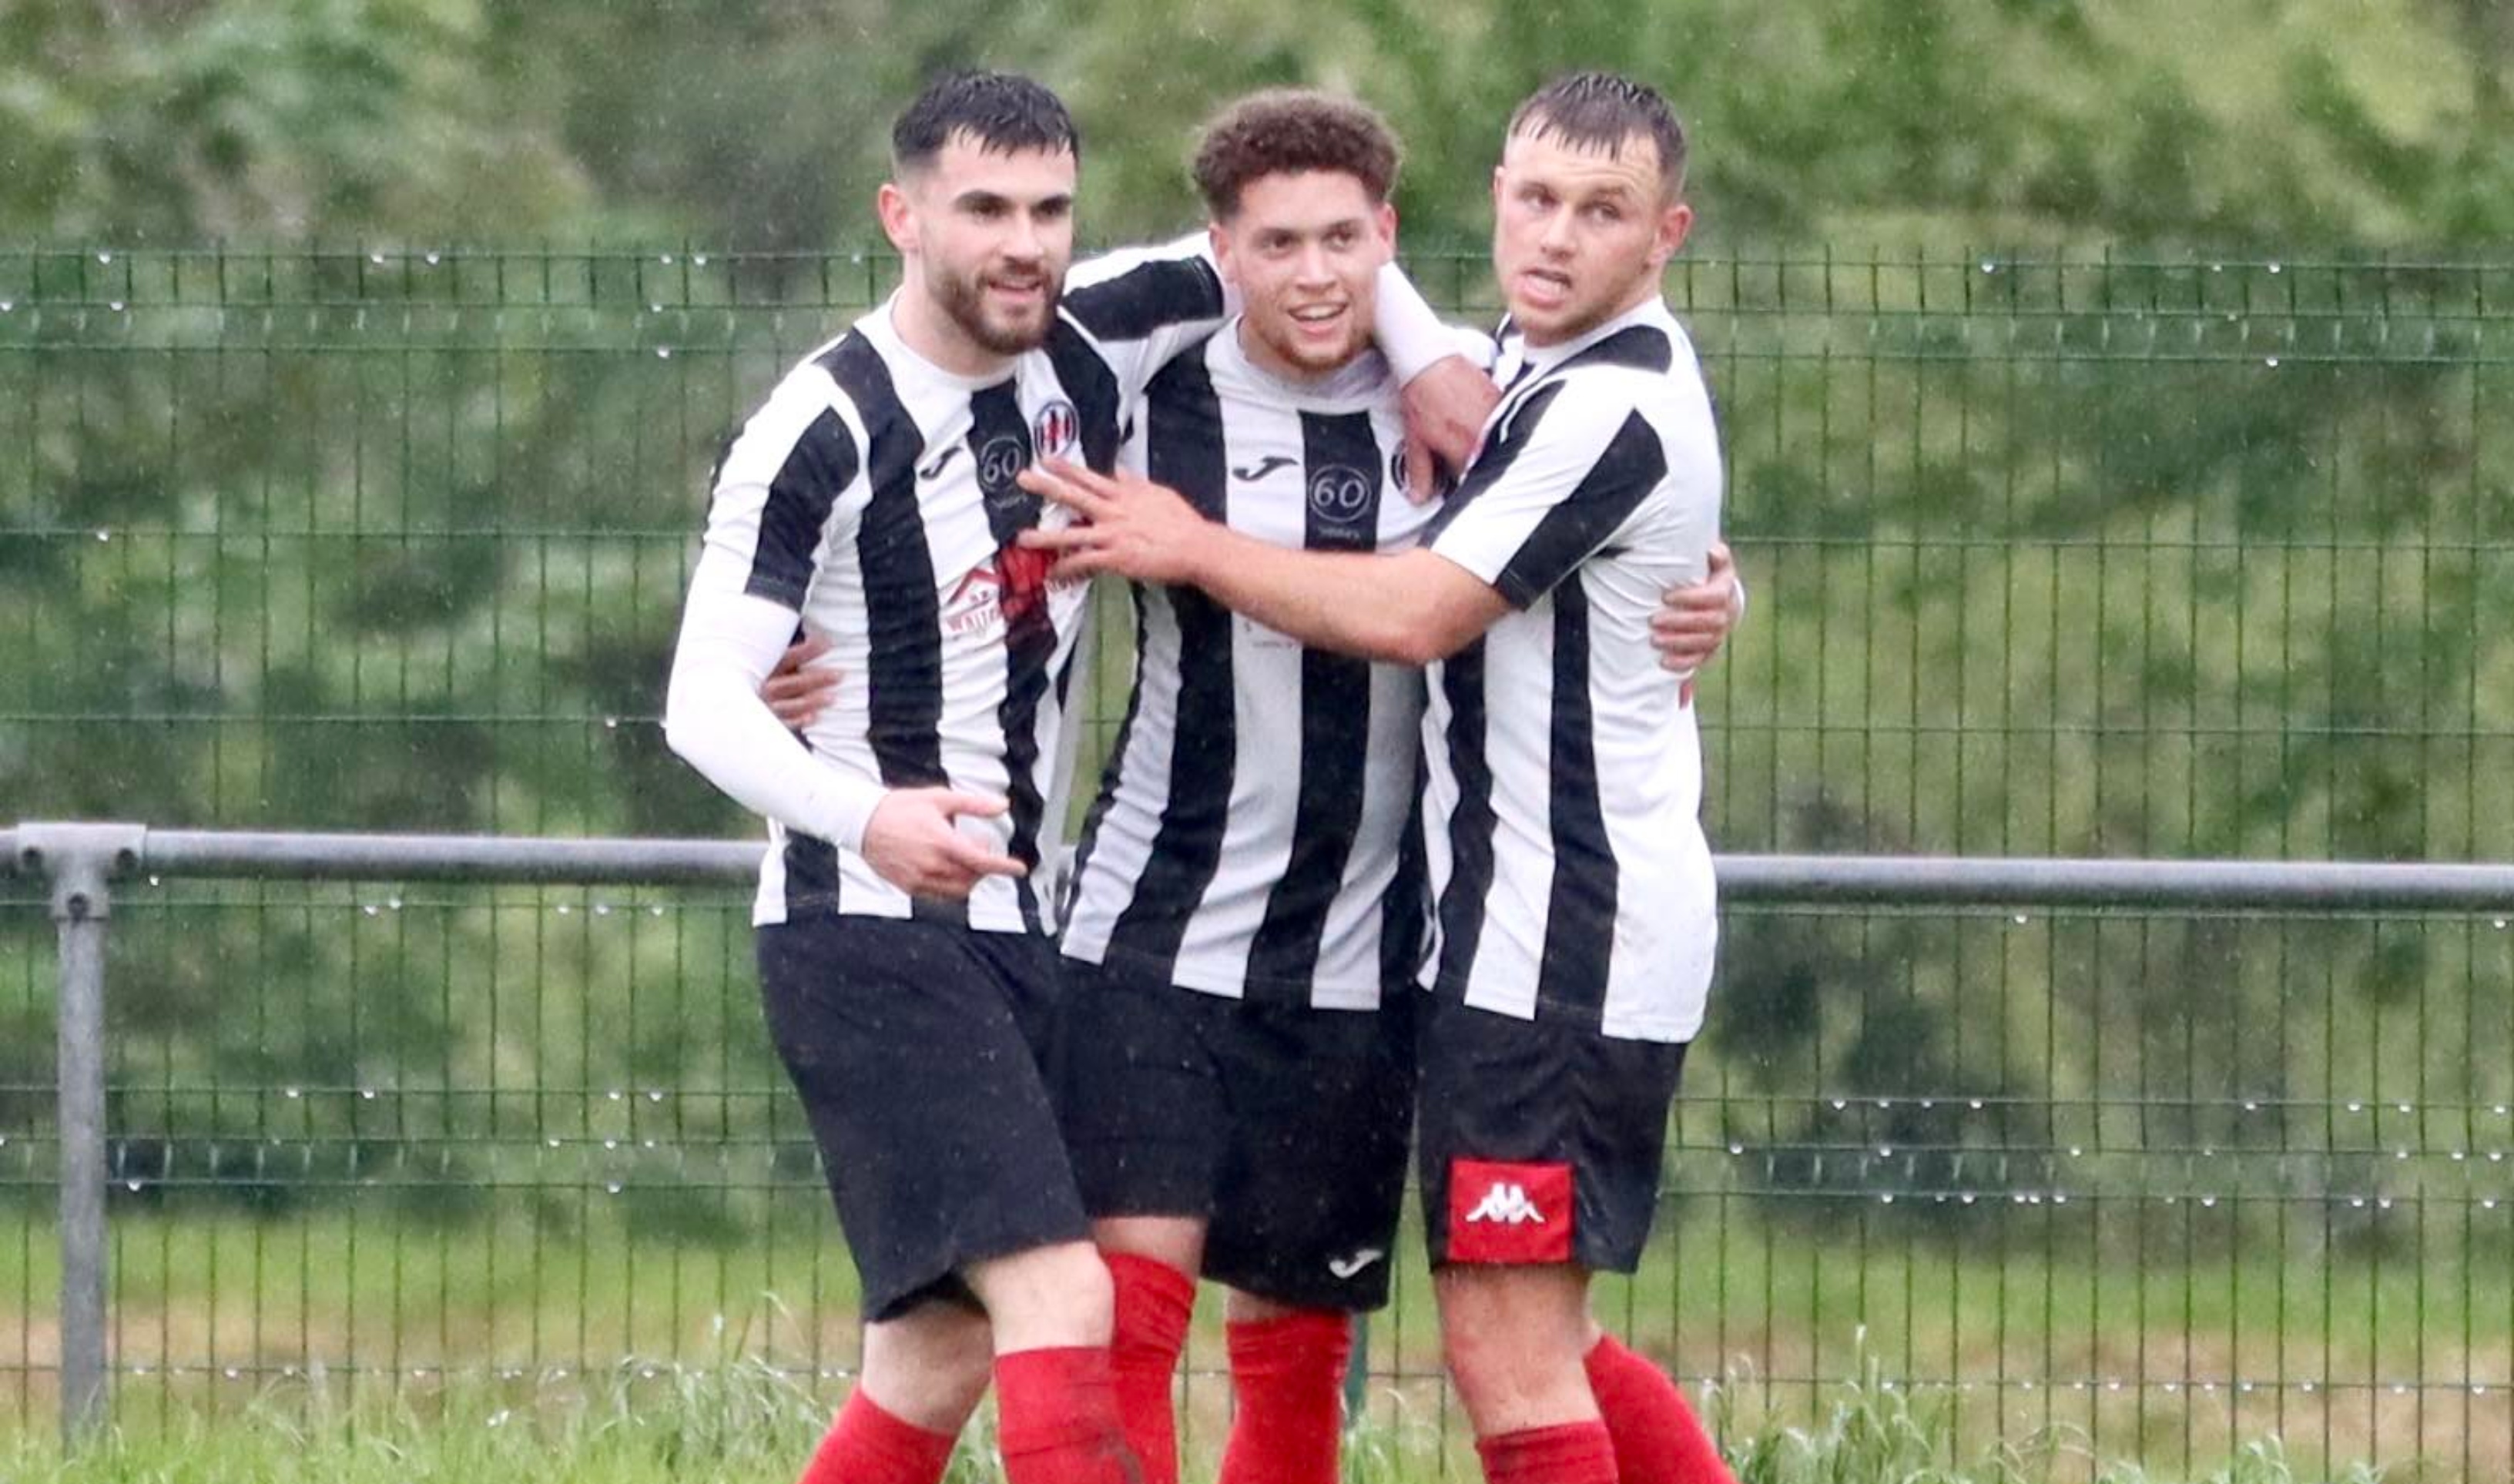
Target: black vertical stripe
(1403,913)
(902,612)
(1111,771)
(1632,465)
(817,469)
(1184,450)
(1093,387)
(1500,452)
(1000,441)
(1341,468)
(1580,912)
(1471,818)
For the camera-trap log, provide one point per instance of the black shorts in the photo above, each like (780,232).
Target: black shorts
(918,1049)
(1540,1141)
(1283,1127)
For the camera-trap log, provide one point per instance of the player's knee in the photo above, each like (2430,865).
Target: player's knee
(929,1367)
(1048,1296)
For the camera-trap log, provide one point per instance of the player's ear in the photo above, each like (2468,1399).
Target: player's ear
(1224,263)
(1675,223)
(1384,223)
(898,215)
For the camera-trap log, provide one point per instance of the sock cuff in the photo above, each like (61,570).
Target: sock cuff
(1050,1397)
(1152,1297)
(1563,1451)
(1302,1337)
(888,1430)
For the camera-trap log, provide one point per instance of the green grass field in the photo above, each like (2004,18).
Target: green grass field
(575,1325)
(749,1424)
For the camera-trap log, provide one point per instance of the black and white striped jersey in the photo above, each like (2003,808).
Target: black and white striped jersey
(1248,834)
(1563,781)
(873,498)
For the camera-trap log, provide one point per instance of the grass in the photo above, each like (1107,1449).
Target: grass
(744,1422)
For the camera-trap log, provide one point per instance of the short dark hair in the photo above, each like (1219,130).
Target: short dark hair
(1600,111)
(1286,131)
(1001,112)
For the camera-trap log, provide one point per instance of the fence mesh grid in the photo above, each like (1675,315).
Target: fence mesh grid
(2057,556)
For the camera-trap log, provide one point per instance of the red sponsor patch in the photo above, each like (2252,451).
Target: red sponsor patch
(1509,1213)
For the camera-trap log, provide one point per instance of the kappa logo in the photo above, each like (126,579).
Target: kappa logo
(1056,429)
(1348,1267)
(1507,1204)
(1262,467)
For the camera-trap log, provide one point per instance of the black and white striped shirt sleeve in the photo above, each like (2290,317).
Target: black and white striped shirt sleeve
(782,490)
(1565,473)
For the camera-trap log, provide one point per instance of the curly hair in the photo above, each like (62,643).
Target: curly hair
(1287,131)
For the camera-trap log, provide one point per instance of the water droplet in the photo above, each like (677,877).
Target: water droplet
(292,1094)
(1885,1152)
(1976,1104)
(131,1185)
(602,909)
(394,902)
(2060,1197)
(371,909)
(105,535)
(668,258)
(615,1094)
(2208,1202)
(564,909)
(2076,1151)
(115,305)
(657,911)
(377,259)
(553,1143)
(611,1143)
(104,257)
(612,1187)
(2270,361)
(1988,267)
(2356,1107)
(153,881)
(8,306)
(1839,1104)
(655,306)
(2357,1202)
(499,1419)
(2274,268)
(432,259)
(611,723)
(367,1093)
(654,1095)
(2250,1106)
(1736,1148)
(1886,1199)
(663,352)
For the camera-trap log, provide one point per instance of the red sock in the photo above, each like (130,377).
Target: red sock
(1056,1418)
(1154,1301)
(1658,1440)
(867,1445)
(1574,1453)
(1288,1378)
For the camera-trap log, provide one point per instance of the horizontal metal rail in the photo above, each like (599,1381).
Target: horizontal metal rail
(2304,886)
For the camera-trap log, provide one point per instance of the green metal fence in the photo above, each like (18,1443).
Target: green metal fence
(2063,556)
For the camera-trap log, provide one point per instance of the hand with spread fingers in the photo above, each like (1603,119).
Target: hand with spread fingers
(913,842)
(1126,524)
(796,691)
(1693,622)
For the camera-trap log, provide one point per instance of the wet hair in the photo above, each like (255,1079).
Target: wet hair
(1285,130)
(1001,112)
(1600,111)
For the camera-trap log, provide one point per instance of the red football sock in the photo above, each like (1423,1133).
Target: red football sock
(867,1445)
(1154,1301)
(1288,1380)
(1056,1418)
(1658,1440)
(1574,1453)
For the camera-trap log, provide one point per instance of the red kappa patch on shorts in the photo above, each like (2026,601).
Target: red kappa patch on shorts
(1509,1213)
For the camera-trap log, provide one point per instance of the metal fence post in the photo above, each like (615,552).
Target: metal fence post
(81,861)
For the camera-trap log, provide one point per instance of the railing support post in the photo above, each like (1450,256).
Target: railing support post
(81,862)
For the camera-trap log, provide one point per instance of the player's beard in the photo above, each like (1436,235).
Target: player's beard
(964,299)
